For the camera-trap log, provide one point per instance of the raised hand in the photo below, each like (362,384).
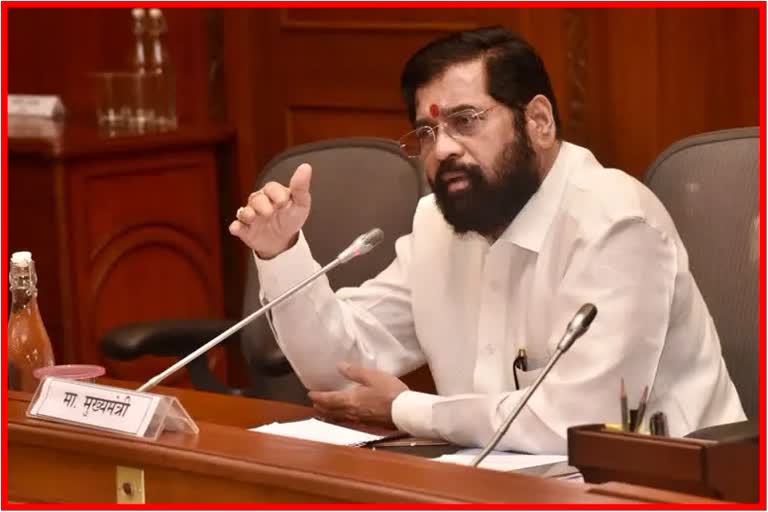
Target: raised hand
(270,222)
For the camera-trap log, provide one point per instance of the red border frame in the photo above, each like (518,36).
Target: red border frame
(399,4)
(4,247)
(698,4)
(761,343)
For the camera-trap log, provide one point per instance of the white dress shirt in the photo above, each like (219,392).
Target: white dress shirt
(465,307)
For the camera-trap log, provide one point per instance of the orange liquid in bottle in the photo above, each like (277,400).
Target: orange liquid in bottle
(29,347)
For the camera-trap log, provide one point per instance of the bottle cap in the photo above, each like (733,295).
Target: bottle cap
(137,13)
(21,257)
(155,13)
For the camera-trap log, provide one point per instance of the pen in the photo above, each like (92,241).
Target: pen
(658,424)
(384,440)
(522,357)
(521,362)
(641,409)
(407,442)
(624,407)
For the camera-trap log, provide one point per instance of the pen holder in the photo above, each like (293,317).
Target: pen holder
(721,470)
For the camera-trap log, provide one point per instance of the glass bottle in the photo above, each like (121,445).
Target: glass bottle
(142,112)
(162,72)
(29,347)
(139,60)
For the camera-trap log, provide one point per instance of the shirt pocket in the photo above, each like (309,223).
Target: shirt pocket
(526,378)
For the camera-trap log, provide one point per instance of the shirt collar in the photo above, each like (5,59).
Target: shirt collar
(530,226)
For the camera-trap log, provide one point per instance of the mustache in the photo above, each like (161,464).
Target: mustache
(473,172)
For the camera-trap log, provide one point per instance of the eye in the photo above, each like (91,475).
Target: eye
(424,134)
(464,122)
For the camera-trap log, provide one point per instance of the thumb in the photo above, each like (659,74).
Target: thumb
(355,373)
(299,185)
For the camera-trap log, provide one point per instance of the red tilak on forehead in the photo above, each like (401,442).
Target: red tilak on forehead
(434,110)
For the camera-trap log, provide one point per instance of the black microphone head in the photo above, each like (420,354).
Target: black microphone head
(578,325)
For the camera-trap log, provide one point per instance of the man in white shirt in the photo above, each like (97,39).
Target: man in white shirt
(522,229)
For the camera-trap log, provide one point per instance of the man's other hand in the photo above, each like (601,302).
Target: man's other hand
(370,401)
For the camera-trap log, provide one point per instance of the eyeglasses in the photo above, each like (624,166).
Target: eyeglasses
(465,123)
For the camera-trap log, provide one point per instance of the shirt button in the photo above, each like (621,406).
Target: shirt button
(490,350)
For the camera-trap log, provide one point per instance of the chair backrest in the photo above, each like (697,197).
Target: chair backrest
(709,184)
(357,184)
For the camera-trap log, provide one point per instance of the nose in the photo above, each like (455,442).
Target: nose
(446,146)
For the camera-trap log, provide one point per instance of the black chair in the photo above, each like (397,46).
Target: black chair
(710,183)
(357,184)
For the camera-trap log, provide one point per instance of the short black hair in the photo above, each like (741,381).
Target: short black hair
(515,71)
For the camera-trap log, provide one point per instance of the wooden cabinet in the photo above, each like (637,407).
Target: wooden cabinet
(122,229)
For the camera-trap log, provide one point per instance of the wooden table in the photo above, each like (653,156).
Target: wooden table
(225,463)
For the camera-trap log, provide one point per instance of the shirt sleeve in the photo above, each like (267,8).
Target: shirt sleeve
(629,274)
(371,325)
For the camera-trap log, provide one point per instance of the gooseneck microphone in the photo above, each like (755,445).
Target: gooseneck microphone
(576,327)
(361,245)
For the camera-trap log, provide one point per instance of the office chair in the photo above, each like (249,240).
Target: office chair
(709,184)
(357,184)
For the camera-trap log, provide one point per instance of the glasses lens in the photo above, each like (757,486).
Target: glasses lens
(463,123)
(418,141)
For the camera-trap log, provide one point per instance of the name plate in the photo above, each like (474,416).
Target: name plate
(102,407)
(35,105)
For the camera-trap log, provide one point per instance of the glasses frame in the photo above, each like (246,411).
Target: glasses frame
(446,127)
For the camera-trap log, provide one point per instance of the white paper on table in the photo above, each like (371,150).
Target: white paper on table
(316,430)
(501,461)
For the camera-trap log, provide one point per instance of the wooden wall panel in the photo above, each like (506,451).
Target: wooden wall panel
(408,19)
(659,75)
(711,55)
(309,124)
(622,90)
(370,72)
(546,30)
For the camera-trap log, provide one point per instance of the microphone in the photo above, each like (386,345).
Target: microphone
(361,245)
(576,327)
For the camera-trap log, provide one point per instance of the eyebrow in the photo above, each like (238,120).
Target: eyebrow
(447,111)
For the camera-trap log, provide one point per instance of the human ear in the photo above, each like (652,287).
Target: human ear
(540,122)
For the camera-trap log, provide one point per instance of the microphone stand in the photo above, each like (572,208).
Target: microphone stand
(360,246)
